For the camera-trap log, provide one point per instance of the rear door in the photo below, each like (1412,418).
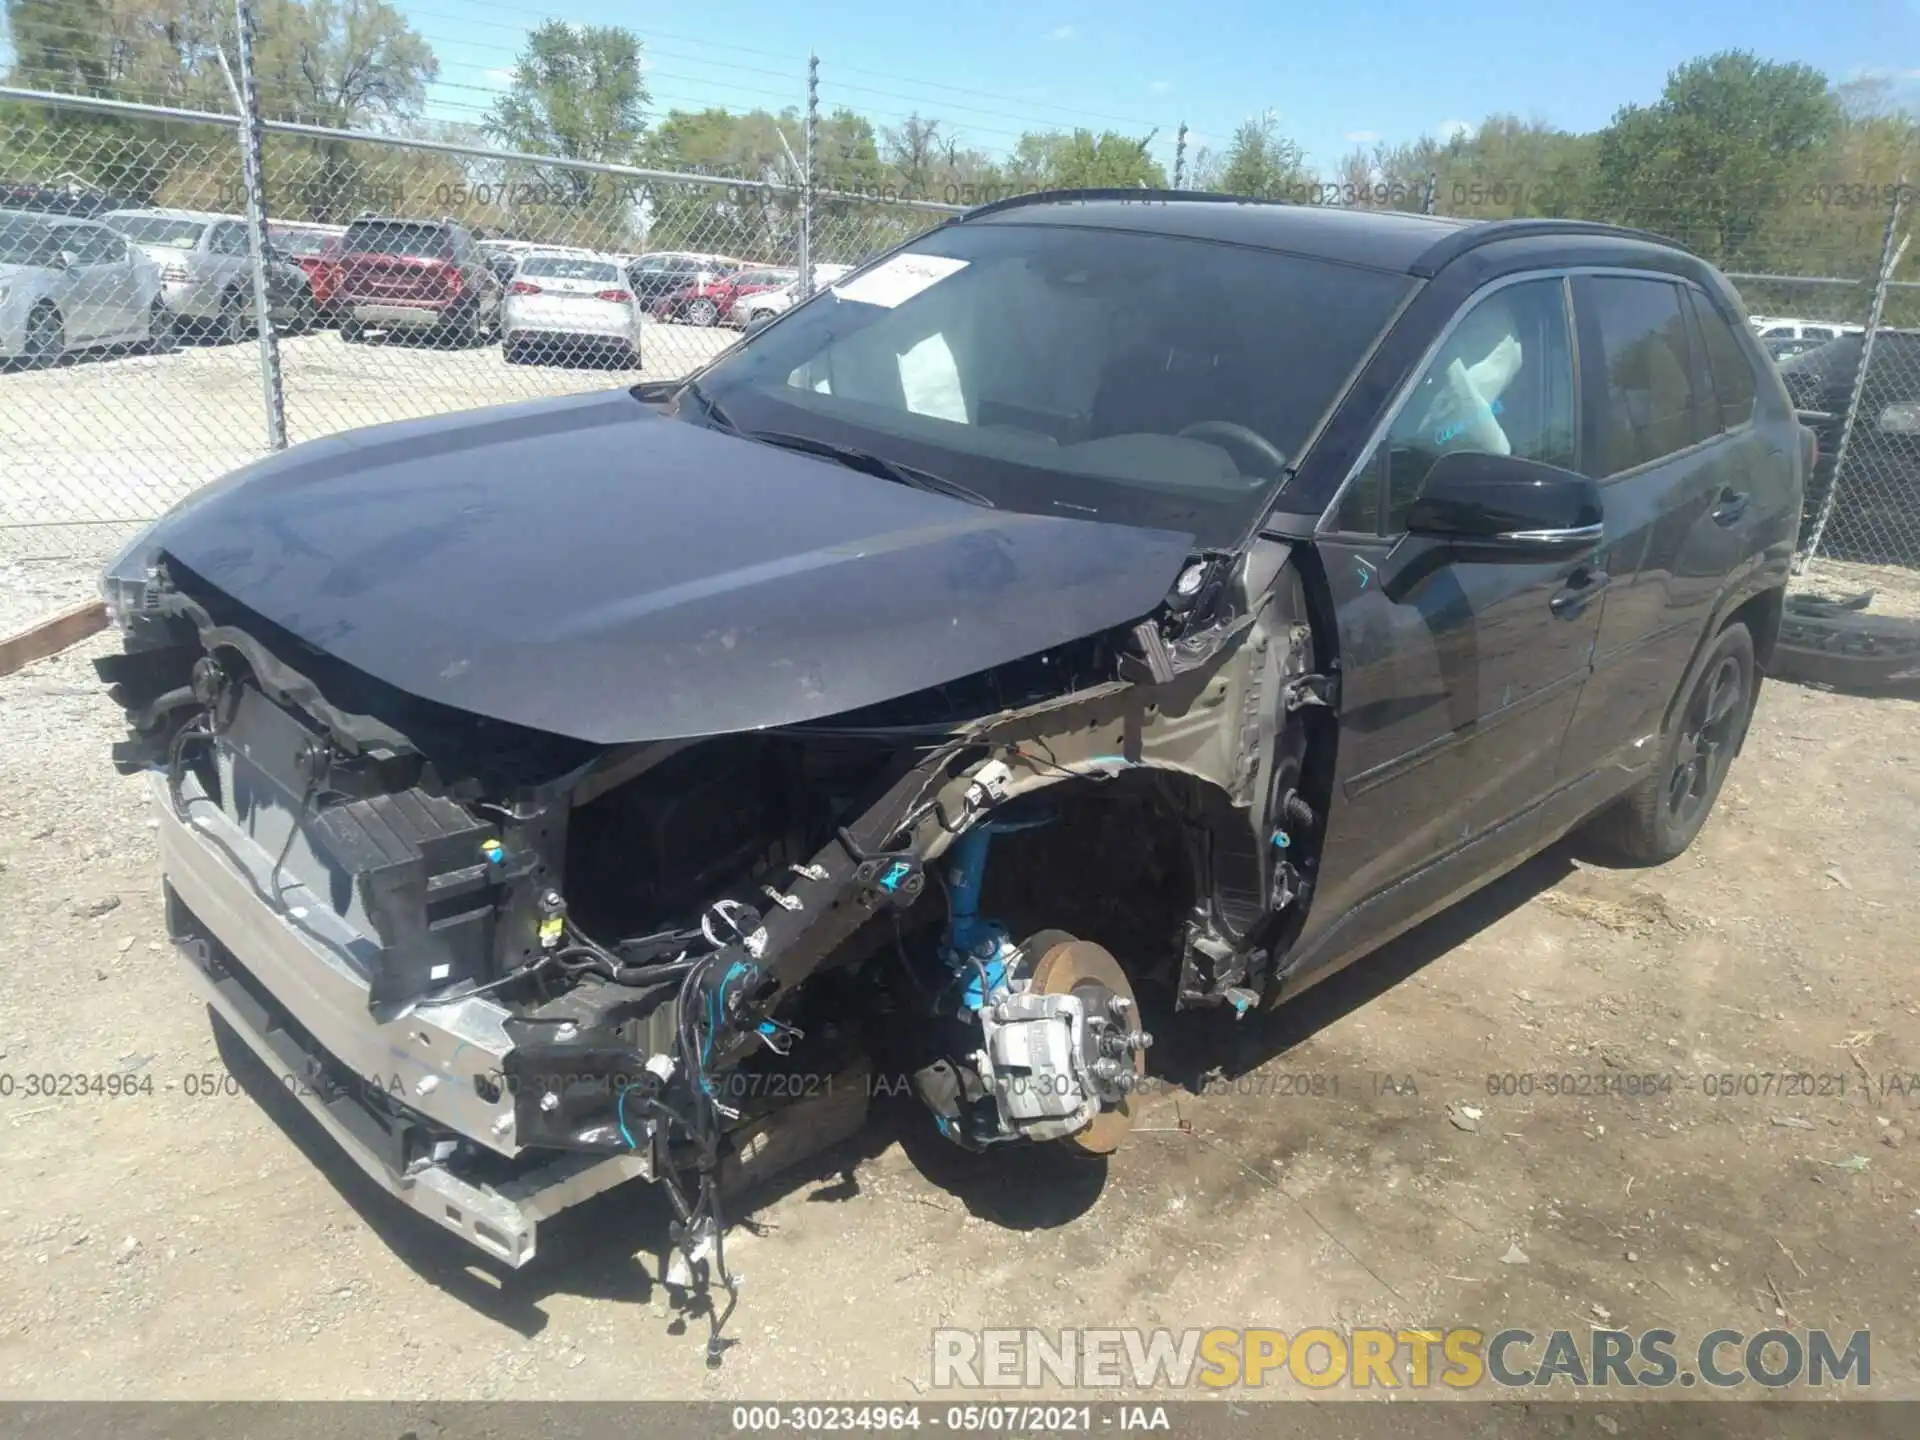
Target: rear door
(1679,461)
(228,263)
(1455,689)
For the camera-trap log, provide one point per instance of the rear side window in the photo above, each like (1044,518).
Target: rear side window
(399,237)
(561,267)
(229,240)
(93,245)
(1648,410)
(1732,372)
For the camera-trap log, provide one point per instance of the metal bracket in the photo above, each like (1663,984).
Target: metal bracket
(1315,689)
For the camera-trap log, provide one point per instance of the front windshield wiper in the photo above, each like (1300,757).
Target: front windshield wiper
(869,463)
(720,419)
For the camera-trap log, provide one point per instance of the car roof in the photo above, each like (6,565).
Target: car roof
(52,221)
(167,212)
(1376,239)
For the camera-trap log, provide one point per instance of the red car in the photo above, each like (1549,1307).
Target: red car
(316,250)
(709,300)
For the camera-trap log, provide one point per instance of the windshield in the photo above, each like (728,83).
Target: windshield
(158,230)
(302,242)
(559,267)
(398,237)
(1140,378)
(24,243)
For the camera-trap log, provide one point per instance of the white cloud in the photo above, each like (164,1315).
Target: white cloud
(1361,137)
(1453,129)
(502,76)
(1160,87)
(1063,32)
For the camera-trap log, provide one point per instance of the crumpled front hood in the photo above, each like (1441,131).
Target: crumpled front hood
(586,567)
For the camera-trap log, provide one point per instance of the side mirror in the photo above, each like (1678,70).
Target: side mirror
(1504,506)
(66,260)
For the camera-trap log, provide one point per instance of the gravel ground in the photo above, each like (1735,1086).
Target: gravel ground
(191,1244)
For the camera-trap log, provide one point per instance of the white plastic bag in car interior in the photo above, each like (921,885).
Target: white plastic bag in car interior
(930,380)
(1464,414)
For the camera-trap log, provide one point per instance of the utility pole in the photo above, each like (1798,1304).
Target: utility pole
(253,173)
(810,146)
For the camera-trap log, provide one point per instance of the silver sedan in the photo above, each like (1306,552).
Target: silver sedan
(569,308)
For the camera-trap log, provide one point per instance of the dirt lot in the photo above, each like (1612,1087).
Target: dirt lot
(187,1244)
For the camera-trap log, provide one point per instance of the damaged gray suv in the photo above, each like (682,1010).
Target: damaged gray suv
(1102,598)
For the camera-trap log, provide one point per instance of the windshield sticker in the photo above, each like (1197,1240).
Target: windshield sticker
(898,279)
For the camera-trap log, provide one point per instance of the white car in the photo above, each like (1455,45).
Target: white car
(769,303)
(206,265)
(570,307)
(1781,327)
(68,284)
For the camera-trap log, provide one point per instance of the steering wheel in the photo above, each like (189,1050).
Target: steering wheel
(1232,434)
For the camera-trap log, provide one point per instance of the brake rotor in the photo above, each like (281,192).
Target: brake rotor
(1079,967)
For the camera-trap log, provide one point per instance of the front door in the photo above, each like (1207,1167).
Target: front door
(1457,677)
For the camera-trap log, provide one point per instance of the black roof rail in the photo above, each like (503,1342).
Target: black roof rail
(1138,196)
(1448,248)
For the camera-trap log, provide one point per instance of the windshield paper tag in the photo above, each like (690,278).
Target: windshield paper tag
(899,279)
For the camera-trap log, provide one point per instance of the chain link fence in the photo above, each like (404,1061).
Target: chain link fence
(404,279)
(408,277)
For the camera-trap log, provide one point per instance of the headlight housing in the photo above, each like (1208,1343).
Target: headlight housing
(128,579)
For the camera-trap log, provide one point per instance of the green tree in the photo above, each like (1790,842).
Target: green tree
(1261,161)
(1730,137)
(578,93)
(1082,160)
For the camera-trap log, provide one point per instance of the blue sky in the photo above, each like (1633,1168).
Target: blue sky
(1335,73)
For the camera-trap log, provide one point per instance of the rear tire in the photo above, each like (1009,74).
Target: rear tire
(1659,817)
(702,312)
(350,332)
(462,329)
(46,339)
(512,352)
(232,324)
(160,333)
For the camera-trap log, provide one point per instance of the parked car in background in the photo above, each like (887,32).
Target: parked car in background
(1785,347)
(207,272)
(749,282)
(68,284)
(702,300)
(767,303)
(570,308)
(665,272)
(415,276)
(1781,327)
(503,256)
(72,198)
(1876,512)
(315,249)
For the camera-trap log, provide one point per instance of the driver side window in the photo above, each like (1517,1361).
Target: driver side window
(1501,384)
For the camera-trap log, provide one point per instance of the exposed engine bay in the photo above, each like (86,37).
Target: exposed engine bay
(518,967)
